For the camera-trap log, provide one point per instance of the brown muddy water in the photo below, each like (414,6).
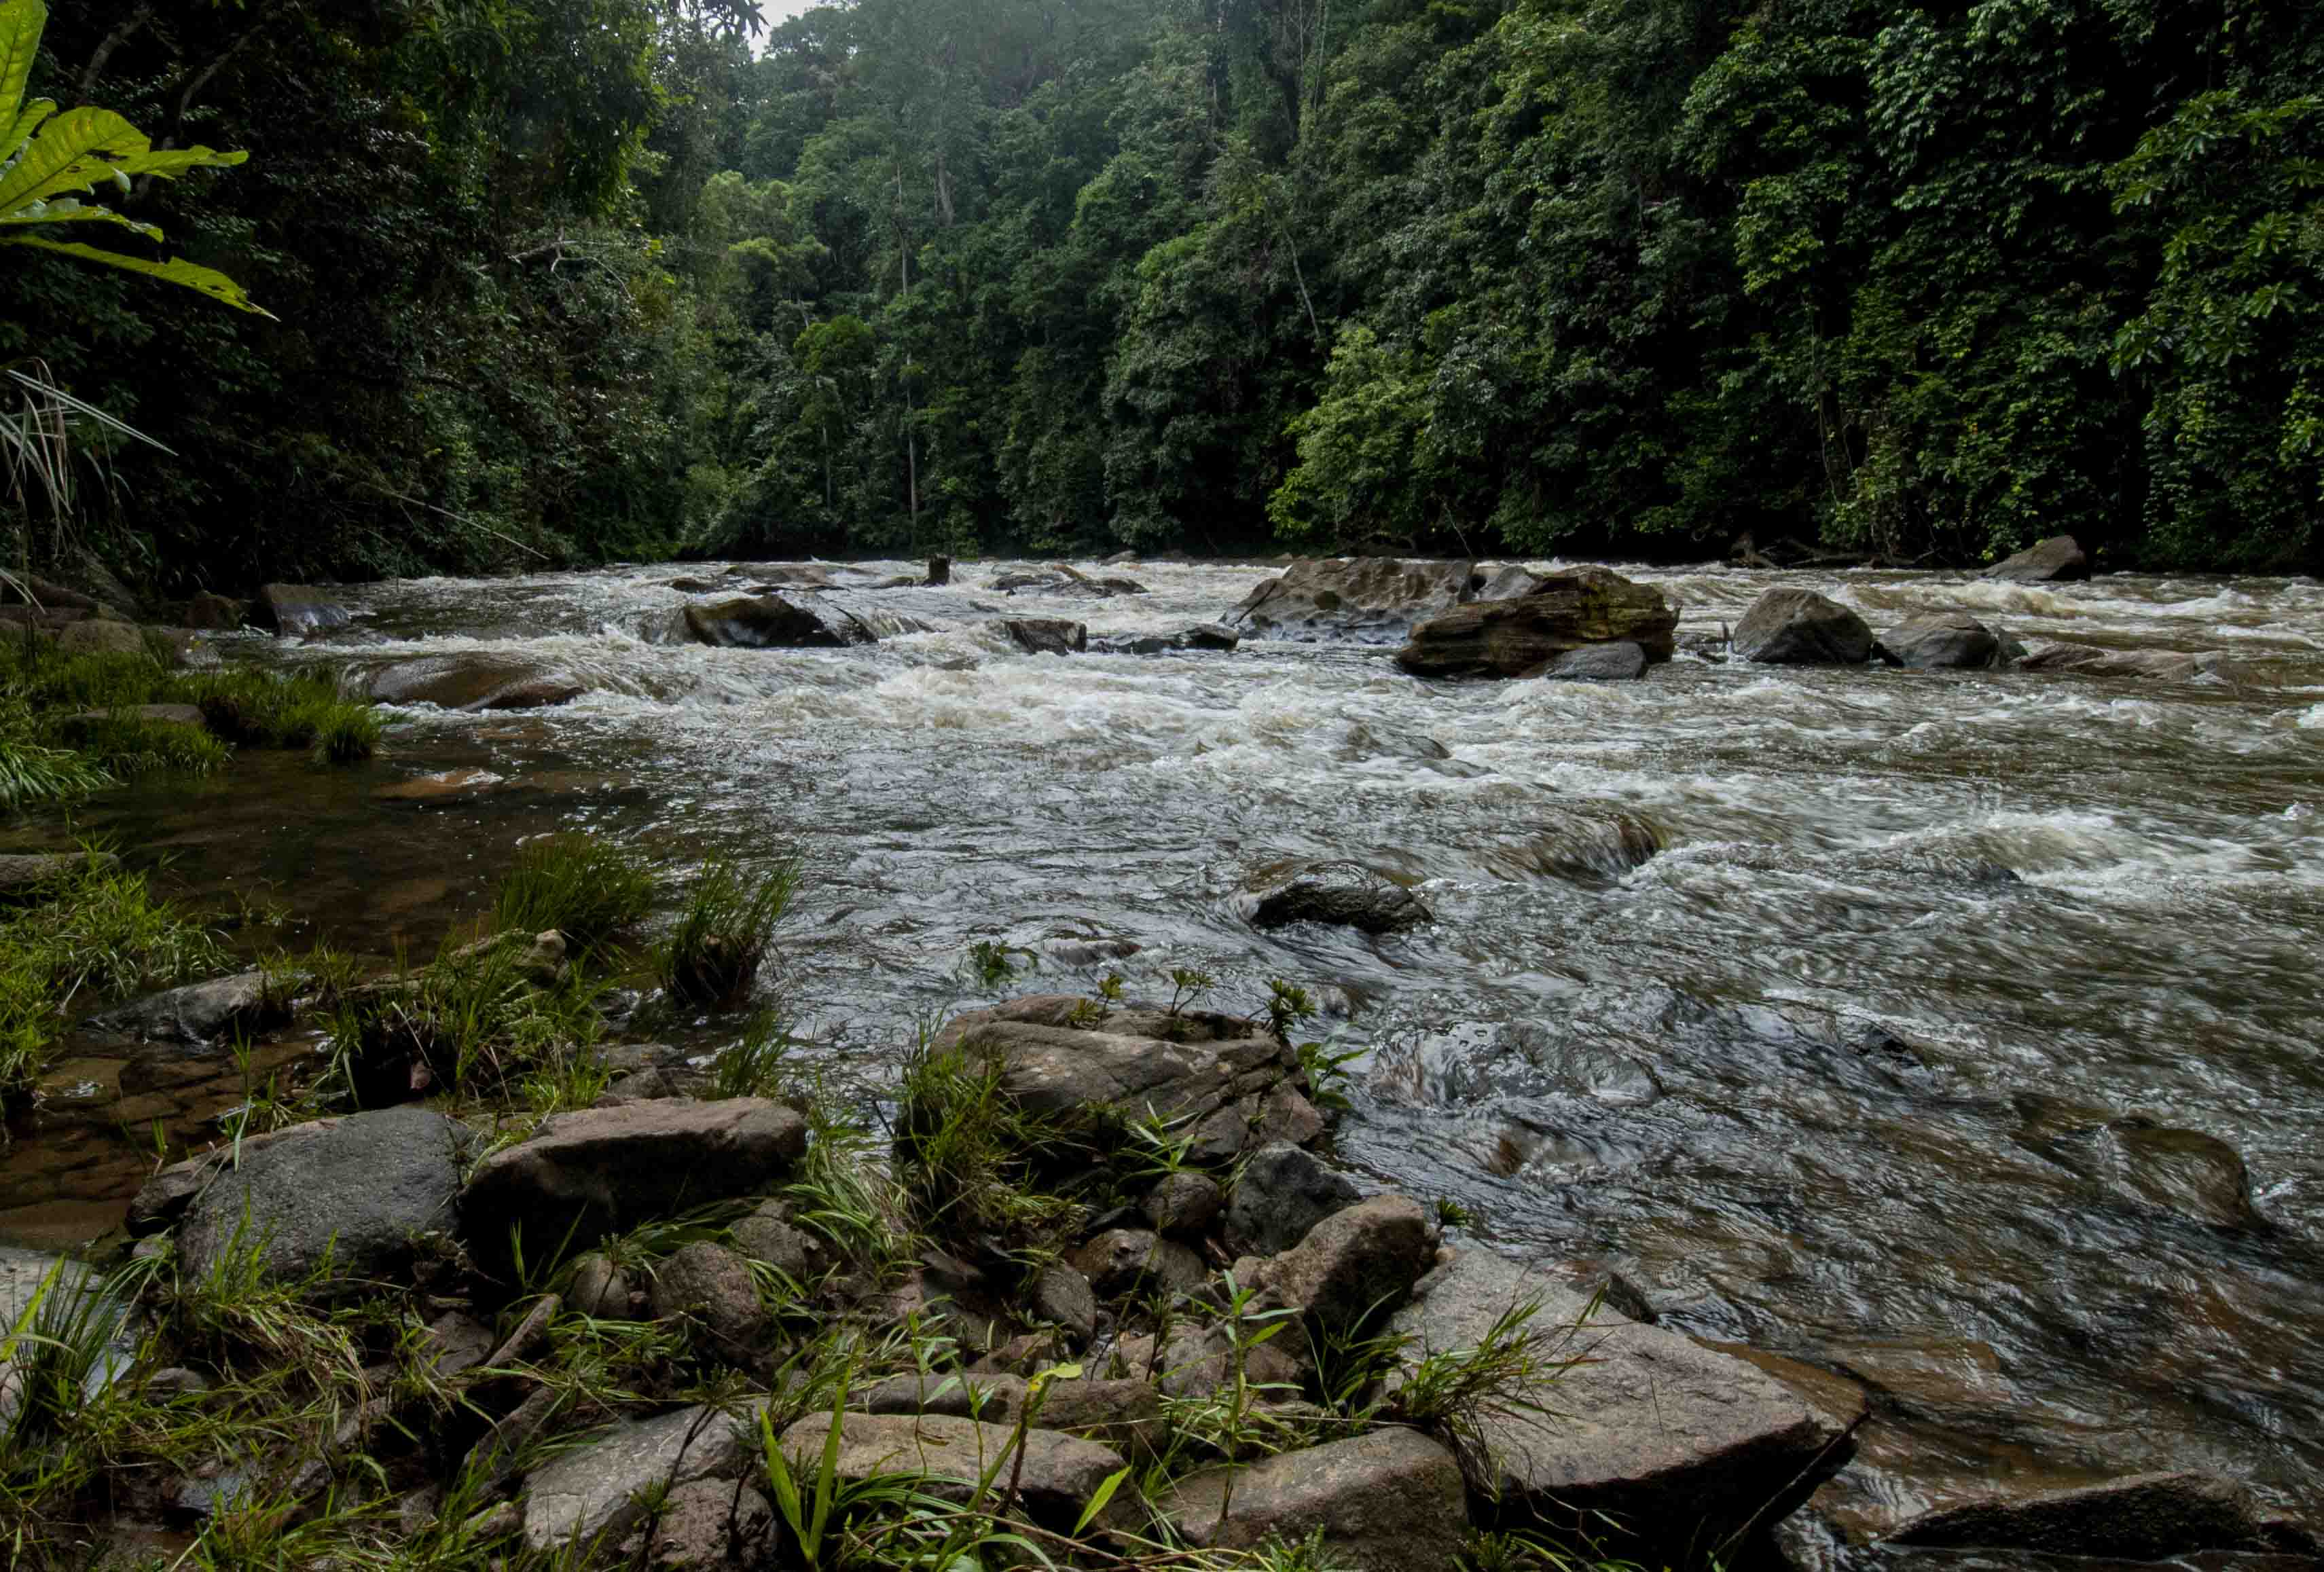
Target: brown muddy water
(1963,1038)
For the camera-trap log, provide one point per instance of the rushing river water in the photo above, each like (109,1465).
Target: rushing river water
(1923,1050)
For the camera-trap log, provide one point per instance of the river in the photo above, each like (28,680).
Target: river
(1924,1049)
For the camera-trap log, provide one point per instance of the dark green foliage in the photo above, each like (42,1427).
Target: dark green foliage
(579,278)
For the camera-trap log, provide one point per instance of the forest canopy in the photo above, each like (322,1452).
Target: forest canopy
(568,281)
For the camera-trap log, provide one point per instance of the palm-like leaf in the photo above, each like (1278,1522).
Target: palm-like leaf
(47,159)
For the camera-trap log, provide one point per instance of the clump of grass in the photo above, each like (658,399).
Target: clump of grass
(756,1065)
(475,1019)
(41,679)
(100,931)
(586,888)
(713,956)
(126,746)
(349,734)
(32,773)
(965,1151)
(252,709)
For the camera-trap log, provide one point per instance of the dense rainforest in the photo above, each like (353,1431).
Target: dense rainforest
(574,280)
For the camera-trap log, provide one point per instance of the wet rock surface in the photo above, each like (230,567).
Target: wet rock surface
(1797,627)
(297,611)
(1556,619)
(772,622)
(1390,1501)
(1345,894)
(1945,640)
(1350,599)
(461,682)
(603,1488)
(2056,560)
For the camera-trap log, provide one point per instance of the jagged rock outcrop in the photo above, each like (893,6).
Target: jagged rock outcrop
(1560,613)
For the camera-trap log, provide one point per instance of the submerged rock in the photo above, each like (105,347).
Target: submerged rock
(1559,615)
(362,1193)
(772,622)
(1350,599)
(2053,561)
(1203,636)
(1344,895)
(2165,664)
(474,683)
(1644,1431)
(1392,1501)
(295,610)
(1596,663)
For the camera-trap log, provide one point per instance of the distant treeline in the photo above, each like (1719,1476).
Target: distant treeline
(570,280)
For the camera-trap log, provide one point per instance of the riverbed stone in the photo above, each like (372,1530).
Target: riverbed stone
(1046,635)
(1350,1267)
(709,1286)
(601,1290)
(1060,1473)
(163,1199)
(1596,663)
(1284,1192)
(26,873)
(2145,1517)
(472,683)
(2160,664)
(1339,893)
(2056,560)
(602,1490)
(97,636)
(710,1523)
(772,622)
(1646,1431)
(1392,1501)
(296,611)
(1788,626)
(1121,1261)
(367,1193)
(1185,1204)
(201,1012)
(1213,1072)
(768,1235)
(1209,635)
(588,1173)
(1350,599)
(1063,1296)
(1941,640)
(1561,614)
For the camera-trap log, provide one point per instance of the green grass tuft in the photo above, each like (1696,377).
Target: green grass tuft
(584,887)
(713,956)
(128,746)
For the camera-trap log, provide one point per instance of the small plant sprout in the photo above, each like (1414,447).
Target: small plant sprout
(1288,1007)
(1452,1214)
(992,965)
(1186,986)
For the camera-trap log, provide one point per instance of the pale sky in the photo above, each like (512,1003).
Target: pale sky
(776,11)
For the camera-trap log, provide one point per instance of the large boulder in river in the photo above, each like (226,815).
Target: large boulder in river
(1365,600)
(1229,1083)
(1343,895)
(2053,561)
(1046,635)
(1945,640)
(363,1191)
(1788,626)
(294,610)
(1559,613)
(1626,1424)
(772,622)
(590,1173)
(472,682)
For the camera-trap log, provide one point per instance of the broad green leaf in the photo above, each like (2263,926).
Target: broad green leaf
(73,153)
(21,22)
(23,125)
(208,280)
(72,211)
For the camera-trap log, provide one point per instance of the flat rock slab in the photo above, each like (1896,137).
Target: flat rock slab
(588,1173)
(1060,1473)
(199,1013)
(24,872)
(1641,1425)
(362,1192)
(2145,1517)
(1553,618)
(1235,1086)
(1392,1501)
(600,1490)
(2162,665)
(472,683)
